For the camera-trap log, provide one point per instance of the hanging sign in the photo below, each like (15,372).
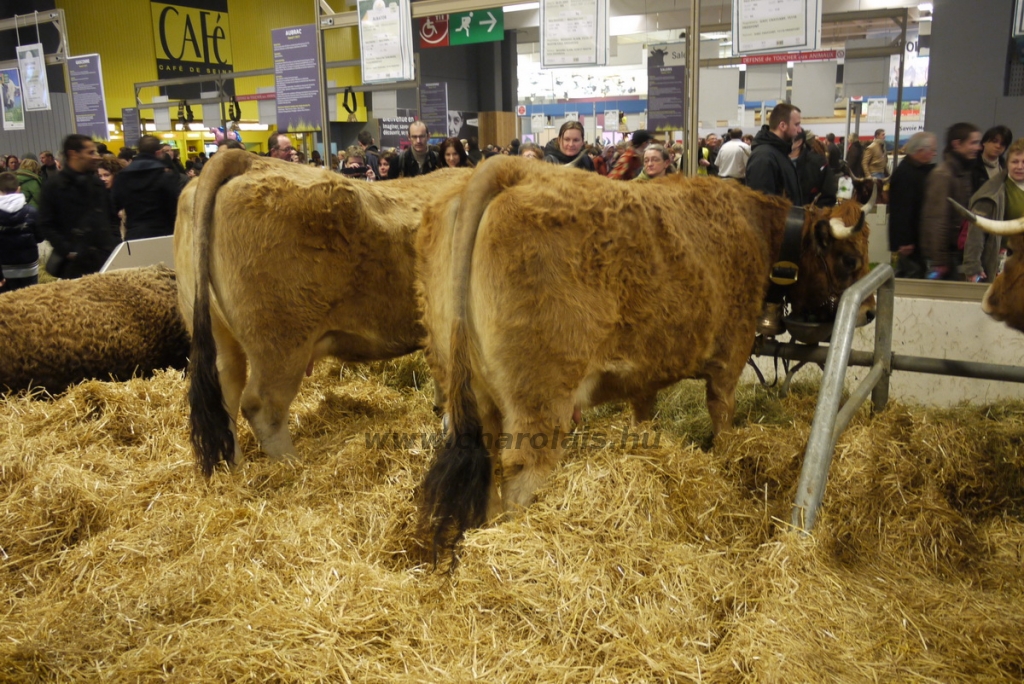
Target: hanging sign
(478,26)
(297,78)
(385,40)
(773,25)
(1018,20)
(785,57)
(434,106)
(191,38)
(11,102)
(87,98)
(35,91)
(573,33)
(434,31)
(666,87)
(131,126)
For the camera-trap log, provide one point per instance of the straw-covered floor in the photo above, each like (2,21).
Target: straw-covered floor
(660,564)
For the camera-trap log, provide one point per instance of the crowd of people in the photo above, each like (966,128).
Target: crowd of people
(93,199)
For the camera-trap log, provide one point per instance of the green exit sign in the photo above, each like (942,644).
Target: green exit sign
(478,26)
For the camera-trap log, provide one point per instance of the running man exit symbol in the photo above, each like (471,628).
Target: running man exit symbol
(481,26)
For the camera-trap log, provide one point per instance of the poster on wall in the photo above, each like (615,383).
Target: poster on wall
(773,25)
(385,40)
(666,87)
(35,91)
(297,78)
(131,126)
(573,33)
(394,132)
(434,107)
(11,101)
(191,38)
(876,110)
(87,98)
(463,125)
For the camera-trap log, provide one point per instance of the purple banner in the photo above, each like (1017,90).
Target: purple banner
(666,87)
(131,126)
(434,107)
(297,78)
(87,96)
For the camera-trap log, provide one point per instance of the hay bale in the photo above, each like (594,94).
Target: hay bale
(665,563)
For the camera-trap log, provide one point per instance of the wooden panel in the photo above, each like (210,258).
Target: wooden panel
(497,128)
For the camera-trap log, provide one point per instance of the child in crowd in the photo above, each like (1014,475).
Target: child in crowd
(19,243)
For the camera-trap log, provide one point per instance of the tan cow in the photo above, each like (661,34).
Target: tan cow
(1004,299)
(547,288)
(283,265)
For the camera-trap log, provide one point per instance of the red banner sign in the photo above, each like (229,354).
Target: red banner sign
(783,57)
(434,31)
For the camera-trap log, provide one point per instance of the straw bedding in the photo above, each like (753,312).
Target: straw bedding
(661,564)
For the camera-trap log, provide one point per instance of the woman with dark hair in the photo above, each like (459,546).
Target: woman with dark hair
(453,154)
(107,170)
(12,163)
(529,150)
(991,162)
(567,149)
(387,166)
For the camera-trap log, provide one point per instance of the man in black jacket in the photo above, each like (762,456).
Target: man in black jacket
(770,169)
(418,159)
(147,190)
(75,211)
(906,197)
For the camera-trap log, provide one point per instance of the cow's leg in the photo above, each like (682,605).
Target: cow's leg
(722,379)
(643,406)
(231,368)
(535,450)
(490,423)
(267,398)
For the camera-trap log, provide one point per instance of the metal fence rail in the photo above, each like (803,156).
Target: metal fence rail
(830,419)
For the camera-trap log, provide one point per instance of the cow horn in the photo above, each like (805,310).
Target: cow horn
(870,206)
(1015,227)
(840,231)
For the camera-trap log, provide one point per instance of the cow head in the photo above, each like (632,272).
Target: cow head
(1004,299)
(833,256)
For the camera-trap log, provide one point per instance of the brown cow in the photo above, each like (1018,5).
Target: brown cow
(286,264)
(546,288)
(1004,299)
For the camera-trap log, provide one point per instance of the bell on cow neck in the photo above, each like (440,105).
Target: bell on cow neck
(770,323)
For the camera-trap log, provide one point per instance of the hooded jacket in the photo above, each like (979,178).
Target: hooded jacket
(148,193)
(906,200)
(770,169)
(553,155)
(31,186)
(19,250)
(981,251)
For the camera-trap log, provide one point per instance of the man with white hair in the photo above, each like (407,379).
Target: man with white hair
(906,198)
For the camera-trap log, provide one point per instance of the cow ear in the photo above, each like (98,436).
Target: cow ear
(822,236)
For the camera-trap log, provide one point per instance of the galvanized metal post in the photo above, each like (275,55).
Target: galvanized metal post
(693,86)
(884,310)
(822,441)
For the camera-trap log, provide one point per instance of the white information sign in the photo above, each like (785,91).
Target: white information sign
(1018,20)
(34,89)
(773,25)
(385,40)
(537,123)
(573,33)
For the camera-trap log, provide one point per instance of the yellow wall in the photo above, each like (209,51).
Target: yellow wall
(121,31)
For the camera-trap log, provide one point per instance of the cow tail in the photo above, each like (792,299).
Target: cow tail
(210,423)
(458,482)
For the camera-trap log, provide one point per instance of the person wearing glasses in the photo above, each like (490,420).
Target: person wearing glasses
(417,159)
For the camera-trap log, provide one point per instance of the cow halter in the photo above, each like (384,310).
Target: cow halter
(786,269)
